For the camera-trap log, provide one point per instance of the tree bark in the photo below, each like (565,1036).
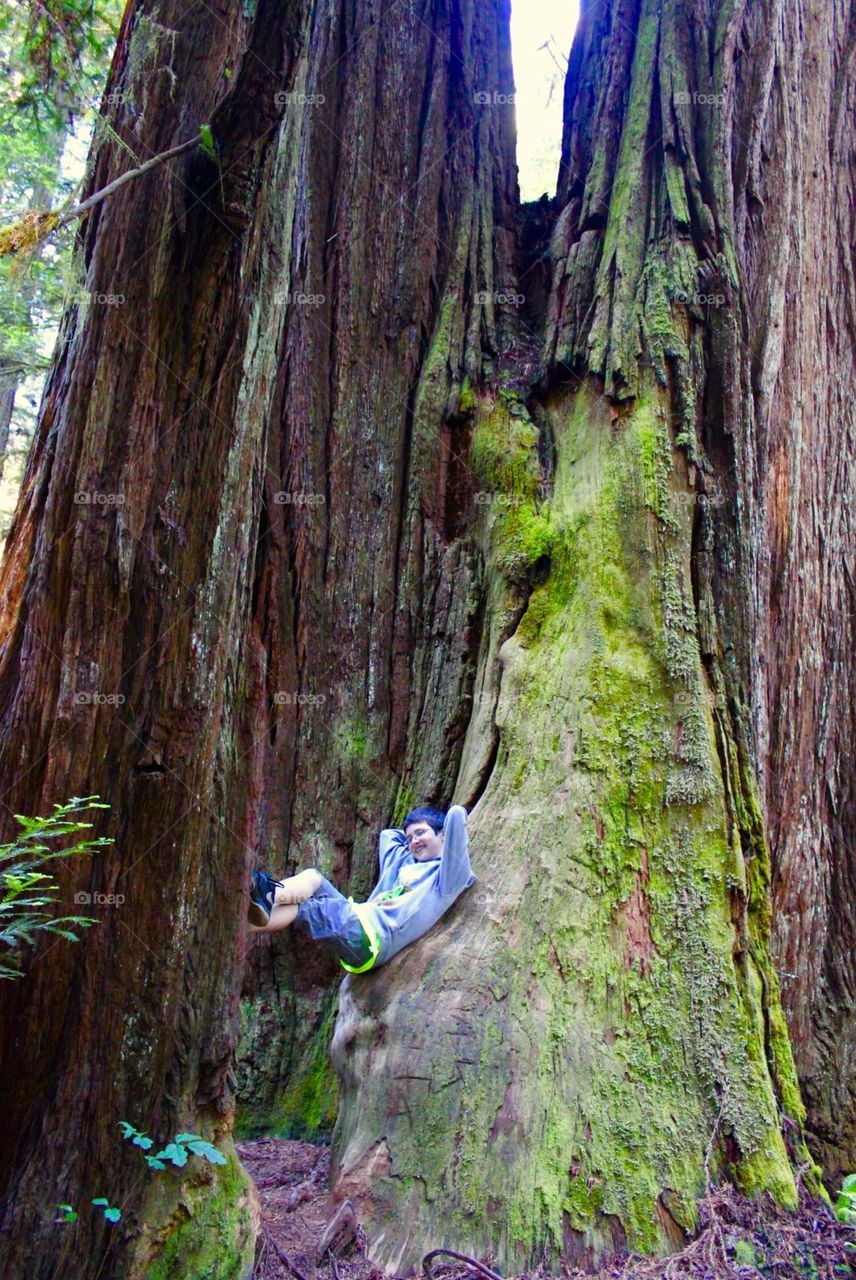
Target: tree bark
(551,1081)
(359,527)
(758,170)
(239,509)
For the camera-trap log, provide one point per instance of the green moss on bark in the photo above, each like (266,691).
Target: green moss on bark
(306,1107)
(622,1021)
(210,1220)
(505,461)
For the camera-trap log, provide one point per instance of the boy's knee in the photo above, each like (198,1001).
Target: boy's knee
(299,887)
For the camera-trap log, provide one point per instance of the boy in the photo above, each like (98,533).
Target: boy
(423,869)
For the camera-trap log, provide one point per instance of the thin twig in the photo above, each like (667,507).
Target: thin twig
(462,1257)
(98,196)
(284,1258)
(37,225)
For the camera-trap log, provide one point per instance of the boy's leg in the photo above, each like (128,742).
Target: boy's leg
(280,918)
(321,911)
(287,895)
(329,918)
(296,889)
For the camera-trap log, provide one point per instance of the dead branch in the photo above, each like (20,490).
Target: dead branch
(345,1222)
(462,1257)
(37,224)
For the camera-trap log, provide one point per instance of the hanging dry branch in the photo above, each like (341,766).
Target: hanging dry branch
(38,224)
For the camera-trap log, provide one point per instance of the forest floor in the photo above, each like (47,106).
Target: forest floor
(738,1238)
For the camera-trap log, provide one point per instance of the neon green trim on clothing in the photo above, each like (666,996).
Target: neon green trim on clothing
(366,921)
(393,893)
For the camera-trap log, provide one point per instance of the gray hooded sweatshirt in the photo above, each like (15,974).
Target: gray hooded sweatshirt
(396,921)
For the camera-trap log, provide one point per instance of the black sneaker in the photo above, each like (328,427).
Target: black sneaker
(262,898)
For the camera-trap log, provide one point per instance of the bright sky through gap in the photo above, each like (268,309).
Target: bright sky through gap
(541,35)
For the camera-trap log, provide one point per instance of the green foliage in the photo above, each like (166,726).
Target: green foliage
(139,1139)
(111,1213)
(54,56)
(845,1206)
(174,1152)
(206,142)
(62,48)
(25,889)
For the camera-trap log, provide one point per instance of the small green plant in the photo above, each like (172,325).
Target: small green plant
(26,890)
(208,147)
(207,144)
(845,1205)
(174,1152)
(110,1212)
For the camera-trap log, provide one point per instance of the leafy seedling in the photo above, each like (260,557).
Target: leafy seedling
(111,1213)
(845,1206)
(139,1139)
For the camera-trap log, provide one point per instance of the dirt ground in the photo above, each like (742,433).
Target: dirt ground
(738,1239)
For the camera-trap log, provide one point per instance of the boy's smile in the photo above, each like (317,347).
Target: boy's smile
(423,842)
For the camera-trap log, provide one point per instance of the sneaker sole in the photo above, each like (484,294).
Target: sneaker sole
(257,915)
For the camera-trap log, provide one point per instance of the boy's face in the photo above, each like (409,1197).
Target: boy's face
(422,841)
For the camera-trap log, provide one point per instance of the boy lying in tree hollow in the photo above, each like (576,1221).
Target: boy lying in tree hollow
(424,867)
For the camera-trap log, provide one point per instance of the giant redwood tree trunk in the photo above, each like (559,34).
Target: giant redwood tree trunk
(546,1074)
(358,532)
(233,638)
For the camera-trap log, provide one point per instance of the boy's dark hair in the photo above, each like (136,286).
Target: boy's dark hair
(434,817)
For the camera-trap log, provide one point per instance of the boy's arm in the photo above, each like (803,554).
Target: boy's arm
(389,846)
(456,873)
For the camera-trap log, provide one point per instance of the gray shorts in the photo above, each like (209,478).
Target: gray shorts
(330,919)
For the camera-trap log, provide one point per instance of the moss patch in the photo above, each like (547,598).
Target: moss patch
(637,1025)
(306,1108)
(210,1220)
